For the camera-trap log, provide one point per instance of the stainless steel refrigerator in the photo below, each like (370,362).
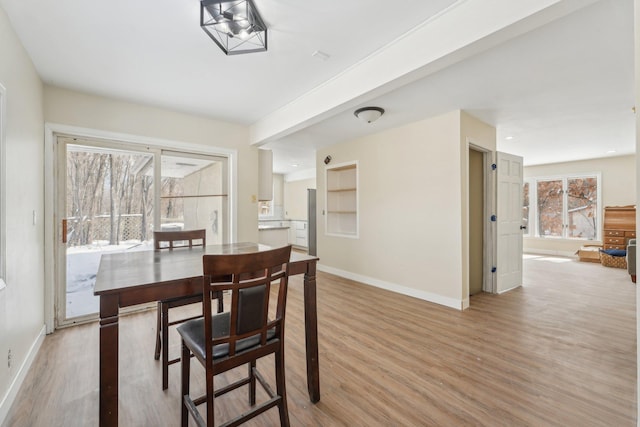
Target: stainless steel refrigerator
(311,216)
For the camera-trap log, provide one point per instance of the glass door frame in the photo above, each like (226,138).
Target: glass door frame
(134,143)
(62,143)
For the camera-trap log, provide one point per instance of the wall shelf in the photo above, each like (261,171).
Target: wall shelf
(342,200)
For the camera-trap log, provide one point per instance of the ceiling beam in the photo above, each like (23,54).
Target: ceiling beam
(459,32)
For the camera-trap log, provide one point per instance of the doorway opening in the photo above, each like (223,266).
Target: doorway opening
(476,220)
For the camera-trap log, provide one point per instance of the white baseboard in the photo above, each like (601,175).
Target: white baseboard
(510,289)
(426,296)
(10,396)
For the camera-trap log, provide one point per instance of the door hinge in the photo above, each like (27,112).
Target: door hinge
(494,269)
(64,231)
(494,166)
(494,218)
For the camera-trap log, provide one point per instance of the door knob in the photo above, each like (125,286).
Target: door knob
(523,227)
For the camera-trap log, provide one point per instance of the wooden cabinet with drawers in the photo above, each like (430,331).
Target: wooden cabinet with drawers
(619,226)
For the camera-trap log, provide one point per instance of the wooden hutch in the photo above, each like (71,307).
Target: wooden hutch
(619,226)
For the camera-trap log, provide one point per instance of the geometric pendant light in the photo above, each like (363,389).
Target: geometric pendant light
(234,25)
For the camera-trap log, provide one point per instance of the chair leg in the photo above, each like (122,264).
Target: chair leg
(158,326)
(281,388)
(210,398)
(186,365)
(220,303)
(165,346)
(252,382)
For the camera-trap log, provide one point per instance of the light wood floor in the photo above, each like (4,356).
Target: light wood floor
(560,351)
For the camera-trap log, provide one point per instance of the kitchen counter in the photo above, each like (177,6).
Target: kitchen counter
(279,232)
(273,235)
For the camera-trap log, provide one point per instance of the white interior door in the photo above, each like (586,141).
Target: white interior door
(509,222)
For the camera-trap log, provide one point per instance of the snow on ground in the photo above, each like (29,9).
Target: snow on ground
(82,267)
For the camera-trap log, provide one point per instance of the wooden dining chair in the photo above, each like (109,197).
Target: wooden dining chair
(240,336)
(170,240)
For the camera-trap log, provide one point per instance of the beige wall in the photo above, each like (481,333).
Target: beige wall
(94,112)
(22,301)
(295,198)
(618,188)
(410,208)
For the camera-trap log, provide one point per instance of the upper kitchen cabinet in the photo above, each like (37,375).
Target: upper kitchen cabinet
(265,175)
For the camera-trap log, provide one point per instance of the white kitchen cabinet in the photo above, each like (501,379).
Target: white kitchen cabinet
(298,233)
(273,236)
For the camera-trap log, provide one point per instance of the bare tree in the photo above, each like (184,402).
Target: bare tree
(85,177)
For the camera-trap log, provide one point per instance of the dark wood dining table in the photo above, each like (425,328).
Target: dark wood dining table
(131,278)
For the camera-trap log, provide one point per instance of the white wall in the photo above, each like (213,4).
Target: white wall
(87,111)
(618,189)
(21,302)
(295,198)
(411,208)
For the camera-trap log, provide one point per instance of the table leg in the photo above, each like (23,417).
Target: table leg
(165,344)
(108,360)
(311,332)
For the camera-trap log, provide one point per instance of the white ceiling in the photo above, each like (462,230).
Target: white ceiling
(563,91)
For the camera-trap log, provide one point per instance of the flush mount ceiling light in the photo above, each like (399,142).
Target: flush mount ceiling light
(235,26)
(369,114)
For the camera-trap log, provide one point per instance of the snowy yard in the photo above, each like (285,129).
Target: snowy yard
(82,267)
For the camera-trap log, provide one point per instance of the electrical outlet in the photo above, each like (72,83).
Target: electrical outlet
(9,359)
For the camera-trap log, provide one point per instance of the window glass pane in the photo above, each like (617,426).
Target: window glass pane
(525,207)
(193,195)
(108,208)
(582,204)
(265,208)
(550,208)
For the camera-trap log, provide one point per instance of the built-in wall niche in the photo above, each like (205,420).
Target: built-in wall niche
(342,200)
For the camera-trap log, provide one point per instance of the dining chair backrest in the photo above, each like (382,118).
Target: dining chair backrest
(179,239)
(249,330)
(248,278)
(170,240)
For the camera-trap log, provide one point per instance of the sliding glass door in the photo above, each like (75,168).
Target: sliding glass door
(194,194)
(109,201)
(108,207)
